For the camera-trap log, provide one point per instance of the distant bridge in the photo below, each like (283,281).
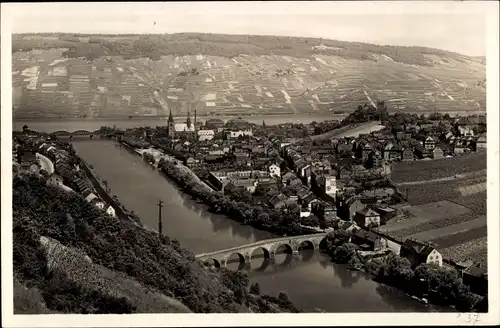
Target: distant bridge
(269,246)
(78,133)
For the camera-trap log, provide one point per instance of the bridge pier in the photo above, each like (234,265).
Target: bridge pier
(248,261)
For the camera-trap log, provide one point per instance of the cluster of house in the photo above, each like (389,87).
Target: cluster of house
(372,245)
(66,175)
(438,139)
(25,158)
(192,131)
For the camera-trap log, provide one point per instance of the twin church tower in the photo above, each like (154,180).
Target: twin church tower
(185,130)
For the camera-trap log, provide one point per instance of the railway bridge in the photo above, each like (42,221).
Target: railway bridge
(291,245)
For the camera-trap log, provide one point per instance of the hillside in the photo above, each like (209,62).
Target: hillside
(60,75)
(71,258)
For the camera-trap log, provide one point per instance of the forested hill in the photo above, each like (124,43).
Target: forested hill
(131,46)
(69,257)
(66,75)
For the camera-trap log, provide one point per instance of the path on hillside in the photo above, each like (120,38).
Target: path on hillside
(474,174)
(45,163)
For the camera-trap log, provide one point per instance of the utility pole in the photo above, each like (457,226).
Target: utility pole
(160,225)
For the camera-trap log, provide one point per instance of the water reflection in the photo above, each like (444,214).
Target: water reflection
(221,224)
(262,264)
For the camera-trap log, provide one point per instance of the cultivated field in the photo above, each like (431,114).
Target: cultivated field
(421,214)
(475,250)
(449,214)
(448,205)
(405,172)
(111,77)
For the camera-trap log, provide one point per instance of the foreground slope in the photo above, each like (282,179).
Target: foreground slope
(71,258)
(119,76)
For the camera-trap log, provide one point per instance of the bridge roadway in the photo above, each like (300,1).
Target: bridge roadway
(269,246)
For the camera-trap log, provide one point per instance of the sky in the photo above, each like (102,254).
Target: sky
(455,27)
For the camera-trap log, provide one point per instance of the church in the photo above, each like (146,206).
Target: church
(182,130)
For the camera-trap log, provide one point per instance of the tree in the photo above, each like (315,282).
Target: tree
(344,253)
(255,289)
(396,269)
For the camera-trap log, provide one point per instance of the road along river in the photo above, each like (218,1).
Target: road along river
(311,281)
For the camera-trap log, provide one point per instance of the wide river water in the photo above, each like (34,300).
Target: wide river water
(311,281)
(70,125)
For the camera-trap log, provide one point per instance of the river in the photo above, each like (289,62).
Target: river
(311,281)
(70,125)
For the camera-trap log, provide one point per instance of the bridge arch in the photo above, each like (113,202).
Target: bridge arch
(267,252)
(240,256)
(213,262)
(306,244)
(285,246)
(322,245)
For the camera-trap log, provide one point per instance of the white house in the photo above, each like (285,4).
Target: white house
(111,211)
(466,131)
(305,214)
(98,203)
(275,170)
(55,180)
(206,135)
(90,197)
(429,143)
(435,257)
(238,133)
(481,141)
(418,253)
(328,183)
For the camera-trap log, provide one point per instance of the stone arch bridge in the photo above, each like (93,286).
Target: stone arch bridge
(269,247)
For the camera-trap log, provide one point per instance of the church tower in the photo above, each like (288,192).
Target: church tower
(171,126)
(188,120)
(195,119)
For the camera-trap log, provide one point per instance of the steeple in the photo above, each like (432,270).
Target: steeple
(170,117)
(195,119)
(170,125)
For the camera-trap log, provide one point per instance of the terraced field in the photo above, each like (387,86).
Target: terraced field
(96,79)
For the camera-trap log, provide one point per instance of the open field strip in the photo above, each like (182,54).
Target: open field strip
(461,237)
(424,213)
(463,190)
(436,235)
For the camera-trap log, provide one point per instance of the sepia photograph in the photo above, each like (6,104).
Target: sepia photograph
(250,158)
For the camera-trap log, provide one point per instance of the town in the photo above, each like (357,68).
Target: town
(382,186)
(251,160)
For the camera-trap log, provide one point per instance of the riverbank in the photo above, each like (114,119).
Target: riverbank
(104,193)
(257,216)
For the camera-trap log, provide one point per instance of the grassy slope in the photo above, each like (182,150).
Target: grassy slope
(340,76)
